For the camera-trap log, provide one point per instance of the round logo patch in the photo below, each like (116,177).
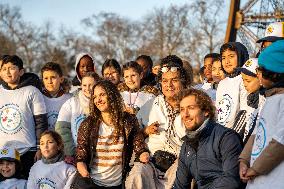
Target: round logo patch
(11,119)
(52,118)
(260,139)
(224,109)
(45,183)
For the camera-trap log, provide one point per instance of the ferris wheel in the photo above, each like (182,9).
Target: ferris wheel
(247,20)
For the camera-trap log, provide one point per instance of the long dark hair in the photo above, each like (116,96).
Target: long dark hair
(115,106)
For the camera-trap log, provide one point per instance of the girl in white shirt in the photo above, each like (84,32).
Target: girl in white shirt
(51,171)
(133,94)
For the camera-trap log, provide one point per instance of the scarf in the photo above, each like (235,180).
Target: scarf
(253,99)
(171,132)
(57,158)
(58,94)
(193,136)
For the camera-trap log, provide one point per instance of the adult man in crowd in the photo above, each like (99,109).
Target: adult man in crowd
(210,151)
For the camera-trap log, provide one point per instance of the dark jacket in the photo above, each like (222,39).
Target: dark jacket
(211,159)
(88,135)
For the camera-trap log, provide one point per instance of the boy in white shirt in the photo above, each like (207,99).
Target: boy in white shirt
(22,111)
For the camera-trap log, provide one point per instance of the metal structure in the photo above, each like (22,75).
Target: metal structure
(249,21)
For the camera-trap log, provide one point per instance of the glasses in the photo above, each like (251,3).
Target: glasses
(166,69)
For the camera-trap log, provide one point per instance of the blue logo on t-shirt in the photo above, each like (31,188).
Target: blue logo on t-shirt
(76,126)
(45,183)
(52,118)
(10,119)
(260,138)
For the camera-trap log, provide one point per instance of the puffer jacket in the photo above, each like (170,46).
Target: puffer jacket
(211,159)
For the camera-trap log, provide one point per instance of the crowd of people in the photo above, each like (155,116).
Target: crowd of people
(145,125)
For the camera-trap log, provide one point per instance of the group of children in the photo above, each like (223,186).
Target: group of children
(40,118)
(249,100)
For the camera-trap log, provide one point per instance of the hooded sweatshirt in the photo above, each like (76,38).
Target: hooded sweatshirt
(231,95)
(76,82)
(23,114)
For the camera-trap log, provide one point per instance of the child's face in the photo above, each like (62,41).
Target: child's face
(11,74)
(86,65)
(229,61)
(51,81)
(111,74)
(217,72)
(48,146)
(208,68)
(87,85)
(132,78)
(251,83)
(100,99)
(155,69)
(7,168)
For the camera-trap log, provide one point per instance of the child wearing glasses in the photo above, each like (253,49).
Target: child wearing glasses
(133,94)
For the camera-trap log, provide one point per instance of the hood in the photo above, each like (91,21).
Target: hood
(27,79)
(242,53)
(78,58)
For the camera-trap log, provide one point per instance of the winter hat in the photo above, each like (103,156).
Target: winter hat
(9,154)
(274,32)
(272,58)
(249,68)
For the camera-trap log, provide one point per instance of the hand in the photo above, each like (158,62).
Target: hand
(251,174)
(152,129)
(69,160)
(144,157)
(37,155)
(82,169)
(243,171)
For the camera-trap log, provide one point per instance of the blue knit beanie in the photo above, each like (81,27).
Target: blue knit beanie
(272,58)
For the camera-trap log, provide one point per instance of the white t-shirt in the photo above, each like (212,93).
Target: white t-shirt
(74,112)
(13,183)
(57,175)
(107,170)
(270,126)
(156,110)
(17,108)
(231,97)
(53,106)
(137,99)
